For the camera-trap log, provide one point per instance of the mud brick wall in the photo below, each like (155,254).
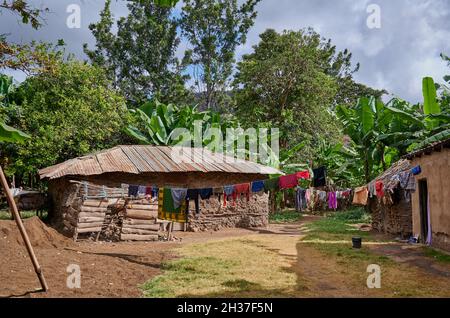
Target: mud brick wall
(393,219)
(245,214)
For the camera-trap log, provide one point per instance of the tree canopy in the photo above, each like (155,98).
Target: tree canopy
(68,113)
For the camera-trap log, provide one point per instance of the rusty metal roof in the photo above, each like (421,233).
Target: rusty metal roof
(138,160)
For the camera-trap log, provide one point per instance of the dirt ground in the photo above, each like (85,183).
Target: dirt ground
(117,269)
(107,269)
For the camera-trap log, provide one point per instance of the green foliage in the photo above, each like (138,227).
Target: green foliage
(157,123)
(285,217)
(29,14)
(7,133)
(214,29)
(430,105)
(69,113)
(140,57)
(284,84)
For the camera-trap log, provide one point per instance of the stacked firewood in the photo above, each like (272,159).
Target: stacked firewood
(113,220)
(91,216)
(140,221)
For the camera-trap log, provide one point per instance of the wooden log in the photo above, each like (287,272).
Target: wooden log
(91,214)
(153,227)
(89,225)
(152,207)
(95,203)
(141,214)
(136,237)
(93,209)
(138,231)
(142,201)
(90,219)
(137,221)
(89,229)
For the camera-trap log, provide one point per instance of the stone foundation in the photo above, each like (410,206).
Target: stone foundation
(393,219)
(245,214)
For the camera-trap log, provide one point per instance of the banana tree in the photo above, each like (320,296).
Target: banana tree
(157,123)
(7,133)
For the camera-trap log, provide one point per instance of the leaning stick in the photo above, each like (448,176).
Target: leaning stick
(26,239)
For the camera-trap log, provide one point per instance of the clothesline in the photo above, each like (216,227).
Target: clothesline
(382,190)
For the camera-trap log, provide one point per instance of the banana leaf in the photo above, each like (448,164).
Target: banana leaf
(10,134)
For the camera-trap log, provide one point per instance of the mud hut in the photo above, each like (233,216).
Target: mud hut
(90,194)
(392,214)
(431,201)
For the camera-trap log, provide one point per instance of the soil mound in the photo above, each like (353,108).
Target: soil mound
(40,234)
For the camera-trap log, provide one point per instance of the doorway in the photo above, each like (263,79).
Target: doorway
(423,203)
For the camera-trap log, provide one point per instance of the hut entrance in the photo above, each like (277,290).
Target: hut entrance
(424,217)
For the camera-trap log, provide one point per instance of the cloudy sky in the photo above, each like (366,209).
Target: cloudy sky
(395,56)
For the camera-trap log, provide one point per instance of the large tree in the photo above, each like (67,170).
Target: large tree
(68,113)
(140,57)
(214,28)
(283,84)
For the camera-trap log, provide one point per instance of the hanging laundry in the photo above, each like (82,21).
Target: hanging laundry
(288,182)
(332,200)
(322,196)
(407,181)
(272,184)
(192,194)
(155,192)
(218,192)
(303,175)
(227,192)
(416,170)
(141,190)
(240,189)
(361,195)
(133,190)
(166,207)
(320,177)
(178,195)
(257,186)
(392,183)
(308,195)
(206,193)
(300,199)
(379,189)
(148,191)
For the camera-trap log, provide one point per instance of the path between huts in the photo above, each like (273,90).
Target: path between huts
(118,269)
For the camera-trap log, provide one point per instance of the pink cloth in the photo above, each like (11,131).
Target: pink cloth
(332,200)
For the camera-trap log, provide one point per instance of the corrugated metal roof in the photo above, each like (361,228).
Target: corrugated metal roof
(152,159)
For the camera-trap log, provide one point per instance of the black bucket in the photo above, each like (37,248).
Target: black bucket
(357,242)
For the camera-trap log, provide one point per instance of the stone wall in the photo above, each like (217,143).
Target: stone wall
(67,202)
(246,214)
(395,219)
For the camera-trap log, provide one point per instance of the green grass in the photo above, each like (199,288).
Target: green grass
(288,216)
(5,215)
(337,226)
(229,268)
(437,255)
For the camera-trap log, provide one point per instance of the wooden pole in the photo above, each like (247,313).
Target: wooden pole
(23,233)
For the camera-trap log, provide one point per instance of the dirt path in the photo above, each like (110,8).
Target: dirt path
(117,269)
(107,269)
